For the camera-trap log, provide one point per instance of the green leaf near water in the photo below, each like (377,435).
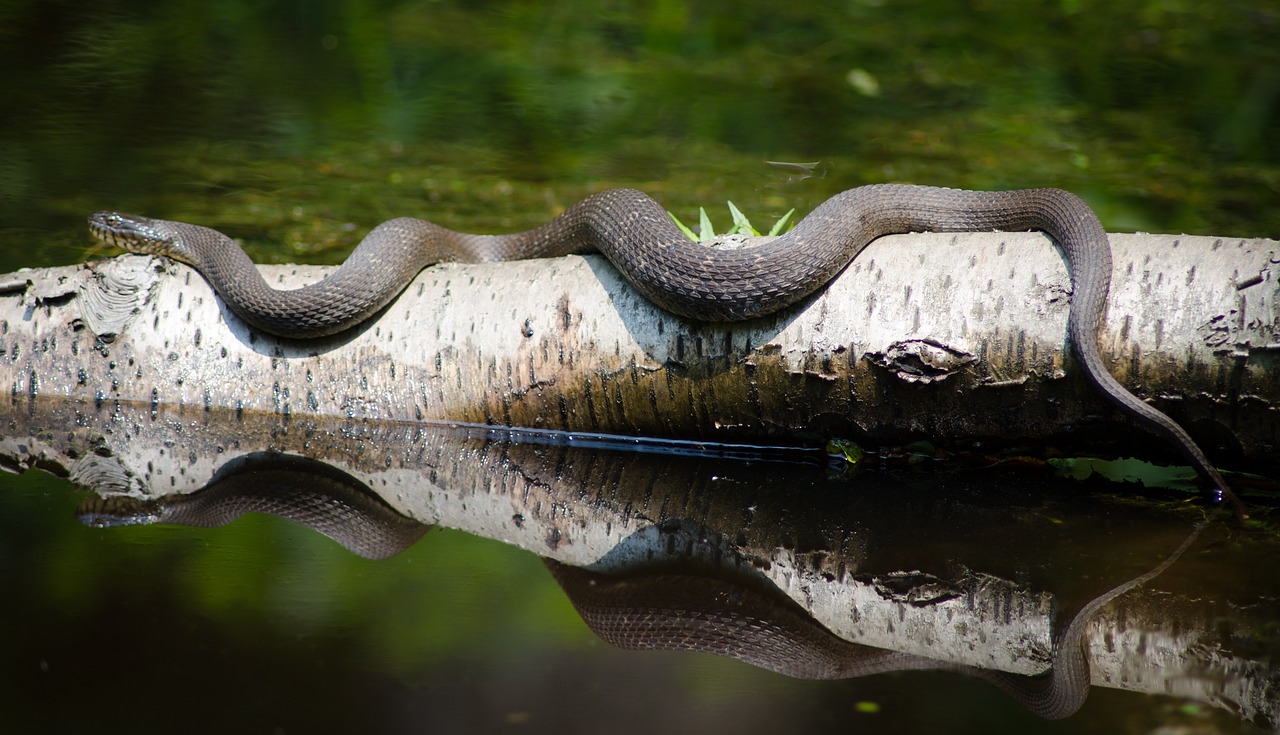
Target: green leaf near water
(741,225)
(705,231)
(683,228)
(777,226)
(846,450)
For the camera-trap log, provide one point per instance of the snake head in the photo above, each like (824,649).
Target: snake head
(138,234)
(112,512)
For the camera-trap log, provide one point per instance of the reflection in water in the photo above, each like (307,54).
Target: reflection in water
(693,606)
(306,491)
(674,611)
(910,570)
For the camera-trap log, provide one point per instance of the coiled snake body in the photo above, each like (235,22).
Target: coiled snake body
(688,279)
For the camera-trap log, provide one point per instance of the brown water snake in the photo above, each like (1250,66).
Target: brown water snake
(686,278)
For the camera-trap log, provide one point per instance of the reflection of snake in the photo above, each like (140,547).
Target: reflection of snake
(651,609)
(698,282)
(317,495)
(683,612)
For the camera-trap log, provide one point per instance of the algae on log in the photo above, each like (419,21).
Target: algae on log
(958,338)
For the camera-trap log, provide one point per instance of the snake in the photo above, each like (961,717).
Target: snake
(644,608)
(685,278)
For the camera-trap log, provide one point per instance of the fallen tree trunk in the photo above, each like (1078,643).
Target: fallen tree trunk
(953,337)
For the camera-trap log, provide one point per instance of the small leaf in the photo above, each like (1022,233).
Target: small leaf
(777,226)
(681,226)
(705,231)
(741,225)
(844,449)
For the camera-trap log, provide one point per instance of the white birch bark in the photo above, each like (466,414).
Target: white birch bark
(954,338)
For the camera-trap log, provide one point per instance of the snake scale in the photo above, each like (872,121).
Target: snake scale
(685,278)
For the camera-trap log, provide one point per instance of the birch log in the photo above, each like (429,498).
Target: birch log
(953,337)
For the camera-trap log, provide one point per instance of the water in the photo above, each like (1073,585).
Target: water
(298,126)
(467,631)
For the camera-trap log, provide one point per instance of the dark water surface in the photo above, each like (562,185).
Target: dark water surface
(298,126)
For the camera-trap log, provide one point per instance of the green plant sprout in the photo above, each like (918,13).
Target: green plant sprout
(741,225)
(844,450)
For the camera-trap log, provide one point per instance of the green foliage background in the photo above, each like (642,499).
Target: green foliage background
(284,120)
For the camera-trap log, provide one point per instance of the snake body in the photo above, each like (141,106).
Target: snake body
(685,278)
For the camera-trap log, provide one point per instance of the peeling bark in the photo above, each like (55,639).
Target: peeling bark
(953,337)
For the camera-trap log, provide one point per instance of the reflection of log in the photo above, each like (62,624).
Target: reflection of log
(641,607)
(876,561)
(655,609)
(950,337)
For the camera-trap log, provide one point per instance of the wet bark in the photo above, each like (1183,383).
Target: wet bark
(954,338)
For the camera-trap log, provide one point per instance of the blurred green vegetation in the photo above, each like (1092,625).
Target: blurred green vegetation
(293,120)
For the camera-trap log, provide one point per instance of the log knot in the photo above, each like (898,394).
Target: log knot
(921,360)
